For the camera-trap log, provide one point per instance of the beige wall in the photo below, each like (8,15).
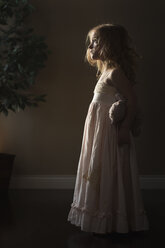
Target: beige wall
(47,140)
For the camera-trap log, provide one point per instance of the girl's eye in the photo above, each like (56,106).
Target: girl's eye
(95,42)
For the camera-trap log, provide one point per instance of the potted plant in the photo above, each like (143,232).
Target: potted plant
(22,55)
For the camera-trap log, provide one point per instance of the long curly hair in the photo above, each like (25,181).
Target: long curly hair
(117,49)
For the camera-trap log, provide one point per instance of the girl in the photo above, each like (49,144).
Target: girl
(107,196)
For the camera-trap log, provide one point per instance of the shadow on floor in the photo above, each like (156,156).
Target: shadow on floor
(38,218)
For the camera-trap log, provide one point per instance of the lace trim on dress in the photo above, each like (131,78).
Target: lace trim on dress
(93,177)
(102,214)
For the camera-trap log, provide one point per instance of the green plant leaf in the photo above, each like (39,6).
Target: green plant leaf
(23,55)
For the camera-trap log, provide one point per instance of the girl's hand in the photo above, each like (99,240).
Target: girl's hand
(123,136)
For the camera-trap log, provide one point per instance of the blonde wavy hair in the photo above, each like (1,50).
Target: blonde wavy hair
(117,49)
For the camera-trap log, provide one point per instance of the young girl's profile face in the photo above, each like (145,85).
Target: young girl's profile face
(94,47)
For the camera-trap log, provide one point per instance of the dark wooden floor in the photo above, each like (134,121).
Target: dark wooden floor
(38,218)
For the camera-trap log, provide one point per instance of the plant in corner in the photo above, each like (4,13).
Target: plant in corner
(22,55)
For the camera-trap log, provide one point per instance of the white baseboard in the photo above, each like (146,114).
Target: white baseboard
(68,182)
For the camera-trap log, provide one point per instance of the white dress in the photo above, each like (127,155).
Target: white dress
(107,196)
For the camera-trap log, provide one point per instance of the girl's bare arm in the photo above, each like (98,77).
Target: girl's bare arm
(123,85)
